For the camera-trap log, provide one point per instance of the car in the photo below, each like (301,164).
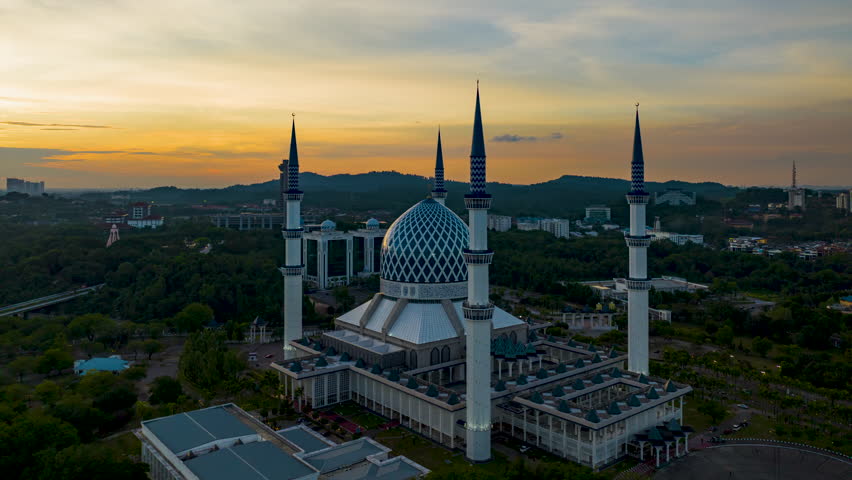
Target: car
(524,448)
(743,406)
(270,355)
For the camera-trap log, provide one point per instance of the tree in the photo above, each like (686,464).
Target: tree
(165,390)
(725,336)
(152,347)
(91,462)
(23,365)
(54,359)
(48,392)
(344,299)
(90,326)
(25,436)
(761,346)
(92,348)
(715,410)
(193,317)
(136,346)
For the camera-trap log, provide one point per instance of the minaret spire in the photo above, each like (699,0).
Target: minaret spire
(638,241)
(478,309)
(794,175)
(439,194)
(477,151)
(637,166)
(293,161)
(292,232)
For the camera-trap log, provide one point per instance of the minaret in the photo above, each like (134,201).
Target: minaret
(478,309)
(292,232)
(793,187)
(438,192)
(638,283)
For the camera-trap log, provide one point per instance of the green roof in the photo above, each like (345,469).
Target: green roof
(652,394)
(453,400)
(541,374)
(563,407)
(613,409)
(671,387)
(597,379)
(321,362)
(537,398)
(578,385)
(633,401)
(579,363)
(593,417)
(412,383)
(558,392)
(501,386)
(432,391)
(522,380)
(295,367)
(561,368)
(376,370)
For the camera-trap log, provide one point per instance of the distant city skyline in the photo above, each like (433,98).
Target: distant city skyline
(199,93)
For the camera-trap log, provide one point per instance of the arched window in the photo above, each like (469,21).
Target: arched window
(445,354)
(513,337)
(413,359)
(435,356)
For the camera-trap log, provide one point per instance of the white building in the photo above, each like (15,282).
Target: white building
(141,217)
(795,195)
(327,256)
(674,197)
(842,201)
(499,223)
(559,227)
(527,224)
(598,214)
(431,352)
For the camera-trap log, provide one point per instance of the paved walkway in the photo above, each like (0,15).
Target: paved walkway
(738,460)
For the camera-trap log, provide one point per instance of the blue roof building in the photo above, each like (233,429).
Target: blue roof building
(113,364)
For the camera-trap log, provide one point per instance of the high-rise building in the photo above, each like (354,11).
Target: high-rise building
(598,214)
(499,223)
(795,195)
(20,185)
(638,283)
(842,201)
(559,227)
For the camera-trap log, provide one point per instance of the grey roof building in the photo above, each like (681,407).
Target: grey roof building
(226,443)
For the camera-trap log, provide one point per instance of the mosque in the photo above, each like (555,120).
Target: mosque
(431,352)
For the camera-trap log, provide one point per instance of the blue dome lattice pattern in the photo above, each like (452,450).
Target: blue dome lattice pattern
(424,245)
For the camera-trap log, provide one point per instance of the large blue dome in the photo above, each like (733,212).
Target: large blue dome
(424,245)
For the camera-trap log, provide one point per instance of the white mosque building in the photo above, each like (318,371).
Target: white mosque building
(433,353)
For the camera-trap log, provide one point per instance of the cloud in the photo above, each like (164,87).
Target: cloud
(30,124)
(59,129)
(512,138)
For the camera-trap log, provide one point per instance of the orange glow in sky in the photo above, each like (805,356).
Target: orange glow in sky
(199,92)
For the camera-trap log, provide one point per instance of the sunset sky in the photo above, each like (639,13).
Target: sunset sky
(129,93)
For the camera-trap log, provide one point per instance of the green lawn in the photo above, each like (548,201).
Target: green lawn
(432,456)
(357,414)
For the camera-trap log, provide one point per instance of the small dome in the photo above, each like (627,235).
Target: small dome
(424,245)
(328,226)
(372,224)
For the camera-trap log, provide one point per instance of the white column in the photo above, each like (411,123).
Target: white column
(637,287)
(292,272)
